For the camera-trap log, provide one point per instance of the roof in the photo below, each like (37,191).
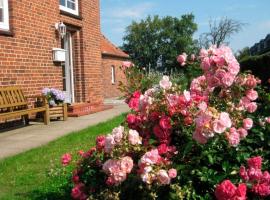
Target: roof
(108,48)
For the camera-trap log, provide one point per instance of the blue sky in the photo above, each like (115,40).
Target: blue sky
(116,15)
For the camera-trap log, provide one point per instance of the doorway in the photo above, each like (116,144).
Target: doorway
(67,68)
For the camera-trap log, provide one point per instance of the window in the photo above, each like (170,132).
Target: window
(70,6)
(4,16)
(113,75)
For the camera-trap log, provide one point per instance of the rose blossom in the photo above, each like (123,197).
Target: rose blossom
(134,138)
(182,59)
(255,162)
(66,158)
(100,142)
(233,137)
(117,133)
(150,157)
(252,94)
(165,123)
(262,189)
(109,143)
(165,83)
(126,164)
(77,192)
(247,123)
(163,177)
(172,173)
(127,64)
(242,132)
(251,107)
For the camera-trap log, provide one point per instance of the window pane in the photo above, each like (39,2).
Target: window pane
(71,5)
(63,2)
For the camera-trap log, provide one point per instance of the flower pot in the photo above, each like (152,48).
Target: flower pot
(58,111)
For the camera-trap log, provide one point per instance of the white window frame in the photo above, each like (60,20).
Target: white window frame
(5,24)
(66,9)
(113,74)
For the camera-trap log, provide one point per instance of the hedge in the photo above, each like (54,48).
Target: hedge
(259,65)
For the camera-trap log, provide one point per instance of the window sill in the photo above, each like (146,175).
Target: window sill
(6,33)
(62,12)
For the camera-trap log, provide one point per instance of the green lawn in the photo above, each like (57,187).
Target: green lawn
(30,176)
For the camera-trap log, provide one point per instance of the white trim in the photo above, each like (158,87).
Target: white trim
(5,25)
(71,68)
(113,74)
(66,9)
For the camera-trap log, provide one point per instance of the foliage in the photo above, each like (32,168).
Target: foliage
(147,40)
(220,32)
(259,65)
(54,96)
(243,53)
(202,132)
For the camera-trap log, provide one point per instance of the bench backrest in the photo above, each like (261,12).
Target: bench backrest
(12,98)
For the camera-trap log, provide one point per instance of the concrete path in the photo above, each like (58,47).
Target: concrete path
(37,134)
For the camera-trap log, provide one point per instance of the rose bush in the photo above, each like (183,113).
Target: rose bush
(181,144)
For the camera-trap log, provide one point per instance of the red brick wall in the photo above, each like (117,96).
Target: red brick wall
(26,57)
(111,90)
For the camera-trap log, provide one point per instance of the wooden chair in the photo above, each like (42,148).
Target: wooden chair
(13,103)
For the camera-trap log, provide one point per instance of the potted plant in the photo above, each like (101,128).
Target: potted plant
(56,100)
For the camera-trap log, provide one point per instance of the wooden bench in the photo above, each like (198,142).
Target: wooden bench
(13,103)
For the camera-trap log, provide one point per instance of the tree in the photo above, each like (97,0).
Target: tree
(243,53)
(158,41)
(220,32)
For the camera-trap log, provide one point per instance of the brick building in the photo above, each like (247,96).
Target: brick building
(28,35)
(112,58)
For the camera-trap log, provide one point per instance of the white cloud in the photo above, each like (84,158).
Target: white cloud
(134,12)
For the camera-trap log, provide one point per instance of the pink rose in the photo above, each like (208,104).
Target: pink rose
(134,138)
(205,64)
(172,173)
(150,157)
(117,133)
(162,149)
(233,137)
(192,57)
(262,189)
(77,192)
(227,80)
(251,107)
(131,118)
(218,126)
(247,123)
(182,59)
(243,173)
(165,123)
(100,142)
(126,164)
(198,136)
(165,83)
(134,104)
(109,143)
(252,94)
(242,132)
(163,177)
(225,191)
(241,192)
(127,64)
(66,158)
(255,162)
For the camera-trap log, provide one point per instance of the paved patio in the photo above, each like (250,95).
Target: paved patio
(37,134)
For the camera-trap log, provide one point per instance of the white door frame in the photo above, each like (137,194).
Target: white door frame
(70,96)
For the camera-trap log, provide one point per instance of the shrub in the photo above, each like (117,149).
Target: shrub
(178,144)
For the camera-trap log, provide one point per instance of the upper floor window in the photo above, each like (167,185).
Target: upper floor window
(4,16)
(70,6)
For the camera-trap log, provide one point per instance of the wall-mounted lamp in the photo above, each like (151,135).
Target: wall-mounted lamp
(61,28)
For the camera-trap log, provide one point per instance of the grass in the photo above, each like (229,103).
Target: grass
(26,176)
